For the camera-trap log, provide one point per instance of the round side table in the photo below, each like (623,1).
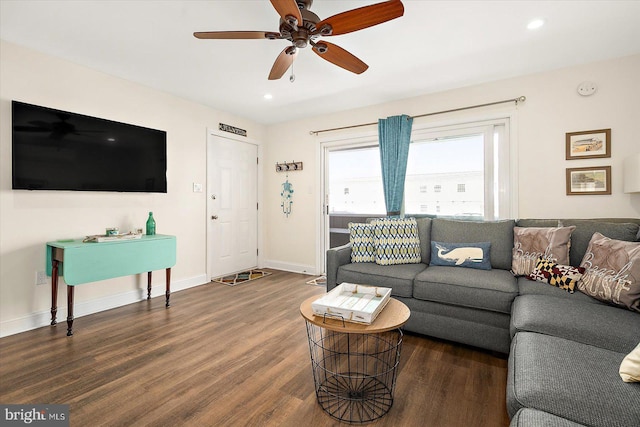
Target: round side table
(355,365)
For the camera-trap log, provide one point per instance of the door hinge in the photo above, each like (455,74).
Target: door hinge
(257,160)
(257,208)
(257,252)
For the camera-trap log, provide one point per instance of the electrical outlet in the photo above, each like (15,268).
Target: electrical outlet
(41,278)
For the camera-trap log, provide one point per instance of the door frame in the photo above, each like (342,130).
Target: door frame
(214,132)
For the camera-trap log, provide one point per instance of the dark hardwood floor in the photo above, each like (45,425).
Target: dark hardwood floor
(229,356)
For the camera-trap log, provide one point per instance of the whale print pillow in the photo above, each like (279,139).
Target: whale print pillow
(470,255)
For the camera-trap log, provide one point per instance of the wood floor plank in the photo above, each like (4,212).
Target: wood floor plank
(230,356)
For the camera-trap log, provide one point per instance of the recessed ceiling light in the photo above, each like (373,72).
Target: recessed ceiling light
(535,24)
(268,96)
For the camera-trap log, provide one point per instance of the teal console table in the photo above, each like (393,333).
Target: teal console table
(79,262)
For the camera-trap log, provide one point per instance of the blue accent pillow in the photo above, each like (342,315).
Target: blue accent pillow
(470,255)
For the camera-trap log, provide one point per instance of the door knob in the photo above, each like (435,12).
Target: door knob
(214,216)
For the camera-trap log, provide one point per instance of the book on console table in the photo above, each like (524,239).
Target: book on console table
(99,238)
(352,303)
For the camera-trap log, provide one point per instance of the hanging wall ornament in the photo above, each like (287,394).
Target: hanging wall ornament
(286,196)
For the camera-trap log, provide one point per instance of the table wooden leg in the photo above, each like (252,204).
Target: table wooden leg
(54,291)
(168,293)
(149,285)
(69,310)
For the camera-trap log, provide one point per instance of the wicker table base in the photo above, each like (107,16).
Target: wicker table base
(355,366)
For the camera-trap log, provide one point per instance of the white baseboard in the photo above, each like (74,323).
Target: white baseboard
(43,318)
(293,268)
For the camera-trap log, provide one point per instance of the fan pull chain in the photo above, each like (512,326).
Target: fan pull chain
(293,76)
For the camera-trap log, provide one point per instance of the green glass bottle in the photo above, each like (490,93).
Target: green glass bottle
(151,225)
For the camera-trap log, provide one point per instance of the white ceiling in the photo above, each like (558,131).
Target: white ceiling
(435,46)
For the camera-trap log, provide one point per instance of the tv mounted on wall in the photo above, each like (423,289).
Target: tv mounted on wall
(59,150)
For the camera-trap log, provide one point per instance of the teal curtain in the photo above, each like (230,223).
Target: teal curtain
(394,134)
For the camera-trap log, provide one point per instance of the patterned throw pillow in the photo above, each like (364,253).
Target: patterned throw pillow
(396,241)
(471,255)
(561,276)
(361,239)
(530,243)
(612,271)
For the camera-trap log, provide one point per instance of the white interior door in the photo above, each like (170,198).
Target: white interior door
(232,206)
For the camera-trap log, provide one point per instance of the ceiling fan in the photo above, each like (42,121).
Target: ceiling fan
(302,28)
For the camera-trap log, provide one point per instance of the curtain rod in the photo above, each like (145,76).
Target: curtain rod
(516,100)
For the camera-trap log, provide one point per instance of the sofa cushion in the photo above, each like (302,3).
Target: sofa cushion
(396,241)
(600,325)
(492,290)
(530,243)
(529,287)
(616,228)
(361,239)
(561,276)
(499,233)
(397,277)
(612,271)
(584,231)
(424,233)
(527,417)
(470,255)
(571,380)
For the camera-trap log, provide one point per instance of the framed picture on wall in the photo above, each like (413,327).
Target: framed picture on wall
(591,180)
(589,144)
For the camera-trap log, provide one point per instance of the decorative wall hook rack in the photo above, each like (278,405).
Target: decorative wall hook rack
(288,167)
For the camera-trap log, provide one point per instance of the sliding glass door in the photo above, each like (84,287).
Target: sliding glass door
(460,171)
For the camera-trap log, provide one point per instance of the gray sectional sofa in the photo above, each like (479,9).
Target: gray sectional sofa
(564,349)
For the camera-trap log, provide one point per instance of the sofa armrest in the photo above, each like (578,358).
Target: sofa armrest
(336,257)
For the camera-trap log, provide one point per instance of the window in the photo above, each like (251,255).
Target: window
(355,181)
(460,171)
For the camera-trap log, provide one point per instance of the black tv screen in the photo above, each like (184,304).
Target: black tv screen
(59,150)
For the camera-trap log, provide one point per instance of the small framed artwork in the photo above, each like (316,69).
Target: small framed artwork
(589,144)
(591,180)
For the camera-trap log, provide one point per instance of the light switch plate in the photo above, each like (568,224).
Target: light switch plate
(197,188)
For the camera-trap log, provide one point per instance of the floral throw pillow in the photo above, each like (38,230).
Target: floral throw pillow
(612,271)
(530,243)
(561,276)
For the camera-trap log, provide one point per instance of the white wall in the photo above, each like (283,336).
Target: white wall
(553,107)
(29,219)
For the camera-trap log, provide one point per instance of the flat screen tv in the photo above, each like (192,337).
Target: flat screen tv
(59,150)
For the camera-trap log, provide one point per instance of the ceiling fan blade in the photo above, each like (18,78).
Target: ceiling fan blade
(283,62)
(236,35)
(340,57)
(362,17)
(286,9)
